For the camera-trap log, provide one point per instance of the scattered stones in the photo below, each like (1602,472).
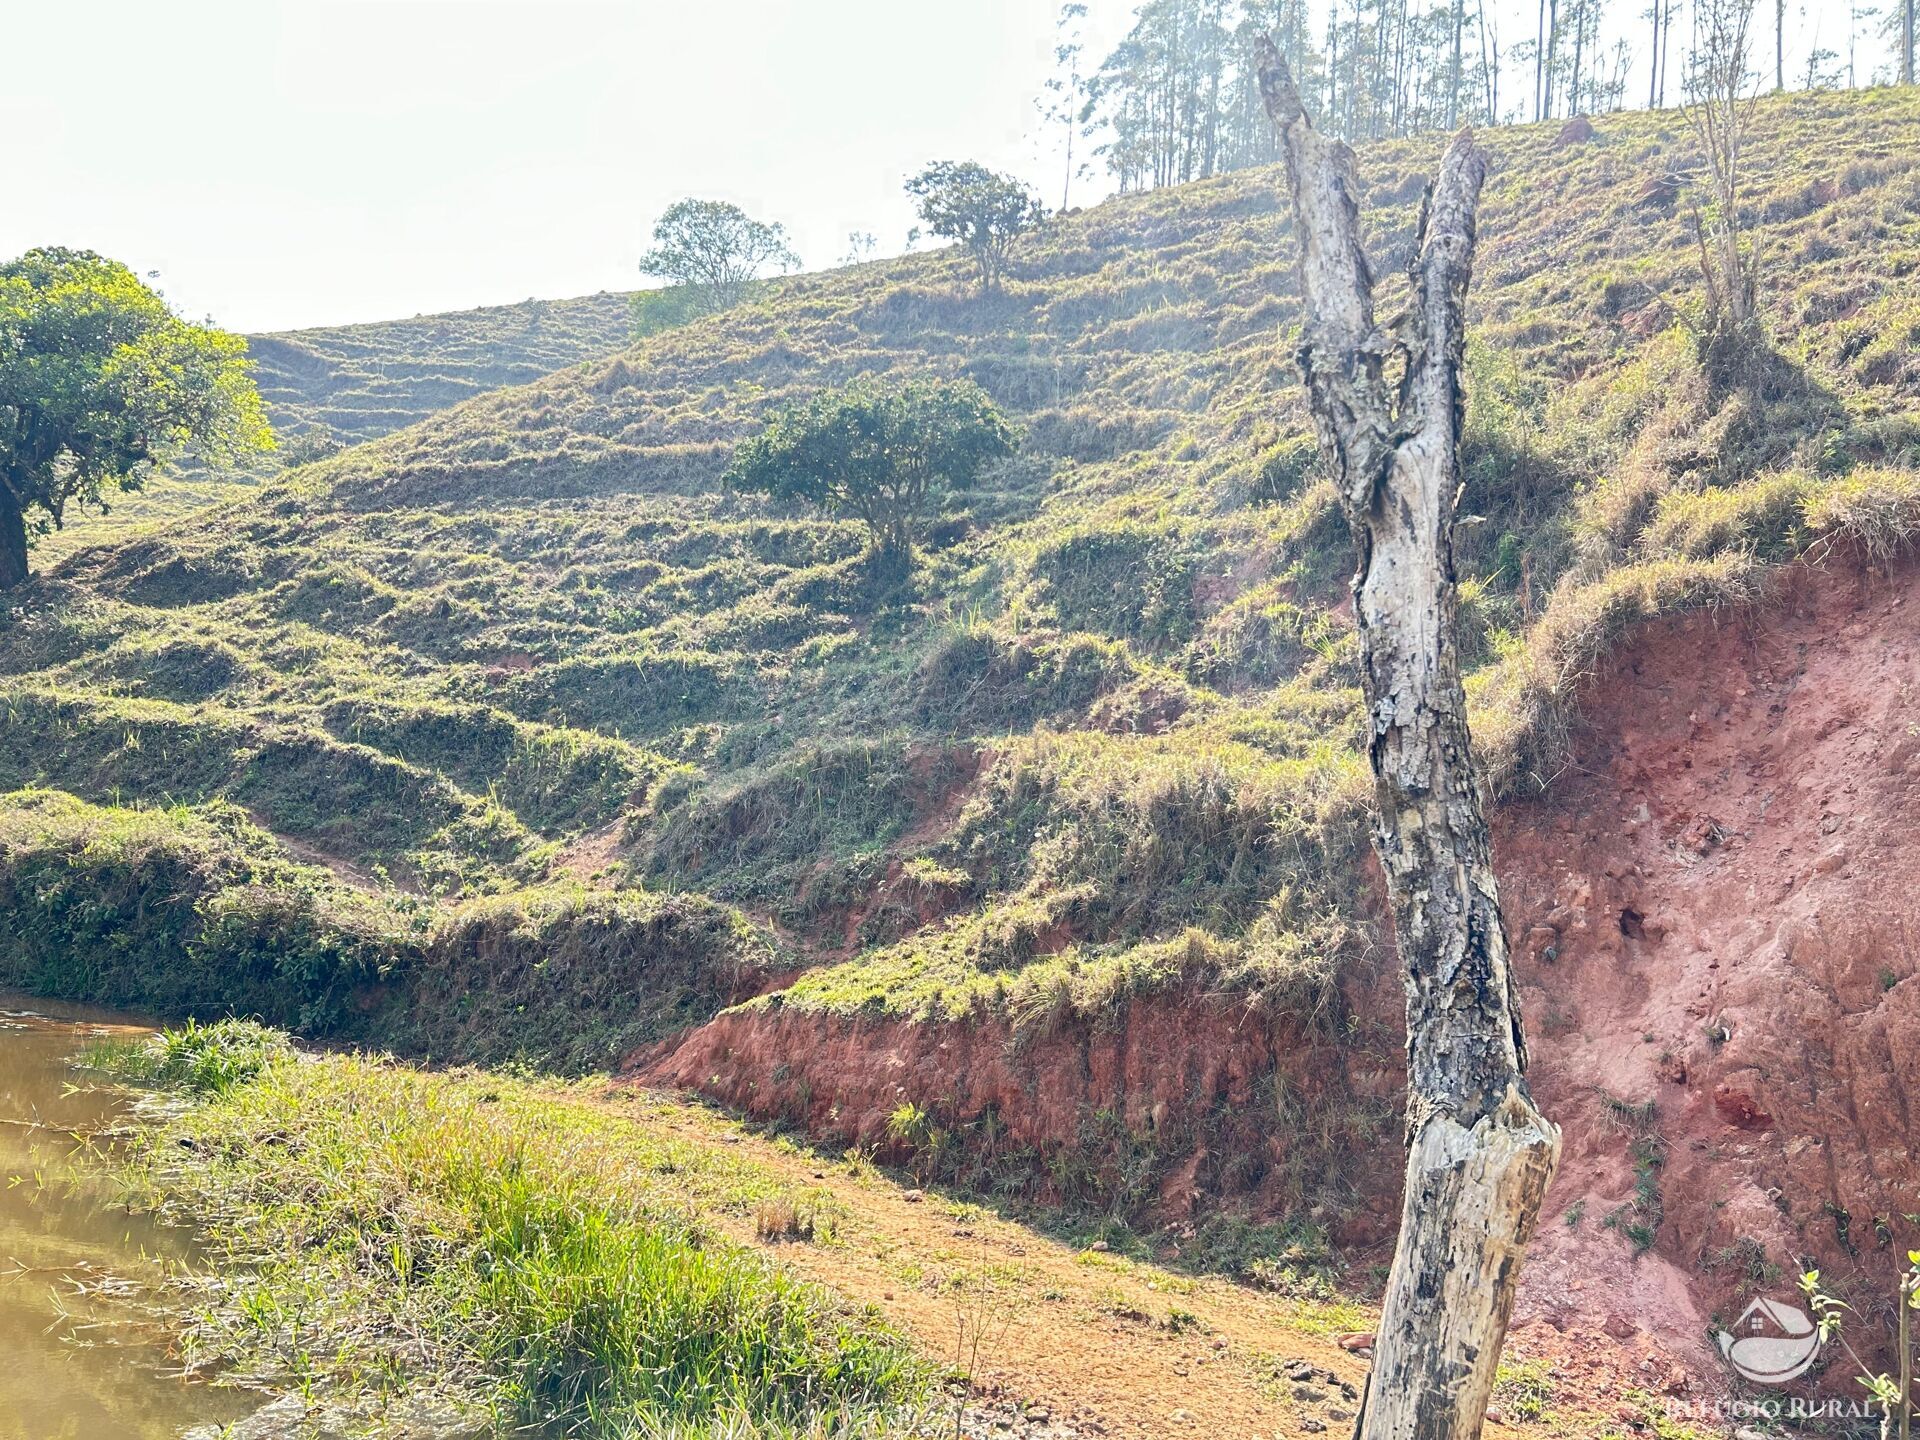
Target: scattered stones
(1309,1394)
(1703,834)
(990,1417)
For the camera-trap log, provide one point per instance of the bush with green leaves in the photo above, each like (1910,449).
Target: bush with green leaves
(714,253)
(884,451)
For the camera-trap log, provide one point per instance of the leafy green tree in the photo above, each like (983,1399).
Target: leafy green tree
(885,451)
(717,251)
(99,382)
(981,208)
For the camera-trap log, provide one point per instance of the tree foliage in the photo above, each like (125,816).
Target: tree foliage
(1065,101)
(1178,99)
(717,251)
(99,382)
(981,208)
(885,451)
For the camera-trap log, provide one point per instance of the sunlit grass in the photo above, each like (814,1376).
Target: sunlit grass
(377,1230)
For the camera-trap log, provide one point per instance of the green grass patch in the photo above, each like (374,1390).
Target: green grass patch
(387,1232)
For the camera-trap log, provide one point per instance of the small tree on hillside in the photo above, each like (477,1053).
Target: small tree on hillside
(1720,110)
(983,210)
(717,251)
(99,382)
(884,451)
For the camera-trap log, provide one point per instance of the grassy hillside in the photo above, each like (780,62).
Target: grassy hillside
(358,382)
(338,385)
(1105,744)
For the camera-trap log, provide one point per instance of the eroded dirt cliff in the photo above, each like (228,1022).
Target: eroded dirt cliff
(1717,911)
(1715,914)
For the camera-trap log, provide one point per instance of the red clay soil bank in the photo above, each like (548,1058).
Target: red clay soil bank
(1715,910)
(1193,1074)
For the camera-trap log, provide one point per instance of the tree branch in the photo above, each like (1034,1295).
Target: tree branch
(1343,352)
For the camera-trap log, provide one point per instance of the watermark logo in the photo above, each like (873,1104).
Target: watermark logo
(1775,1342)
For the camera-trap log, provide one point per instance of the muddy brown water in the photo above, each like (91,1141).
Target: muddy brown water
(74,1366)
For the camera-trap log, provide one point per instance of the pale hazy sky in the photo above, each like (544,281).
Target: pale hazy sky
(285,163)
(304,162)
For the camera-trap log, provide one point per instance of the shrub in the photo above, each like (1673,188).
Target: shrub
(205,1060)
(882,451)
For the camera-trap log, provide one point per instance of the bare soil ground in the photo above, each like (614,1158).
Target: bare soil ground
(1061,1342)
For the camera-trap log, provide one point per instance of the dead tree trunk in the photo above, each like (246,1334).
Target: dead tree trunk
(1387,406)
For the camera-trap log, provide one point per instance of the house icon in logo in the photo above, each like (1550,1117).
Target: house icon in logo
(1775,1342)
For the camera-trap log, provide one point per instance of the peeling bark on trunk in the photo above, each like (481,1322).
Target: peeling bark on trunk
(1387,404)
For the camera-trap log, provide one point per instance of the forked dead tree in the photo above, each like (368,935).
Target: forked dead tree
(1386,404)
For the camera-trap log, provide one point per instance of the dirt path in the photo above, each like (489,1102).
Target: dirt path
(1089,1342)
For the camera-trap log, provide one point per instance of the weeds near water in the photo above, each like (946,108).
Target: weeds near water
(206,1060)
(378,1231)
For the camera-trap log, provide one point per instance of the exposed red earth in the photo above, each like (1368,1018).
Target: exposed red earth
(1714,910)
(1717,910)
